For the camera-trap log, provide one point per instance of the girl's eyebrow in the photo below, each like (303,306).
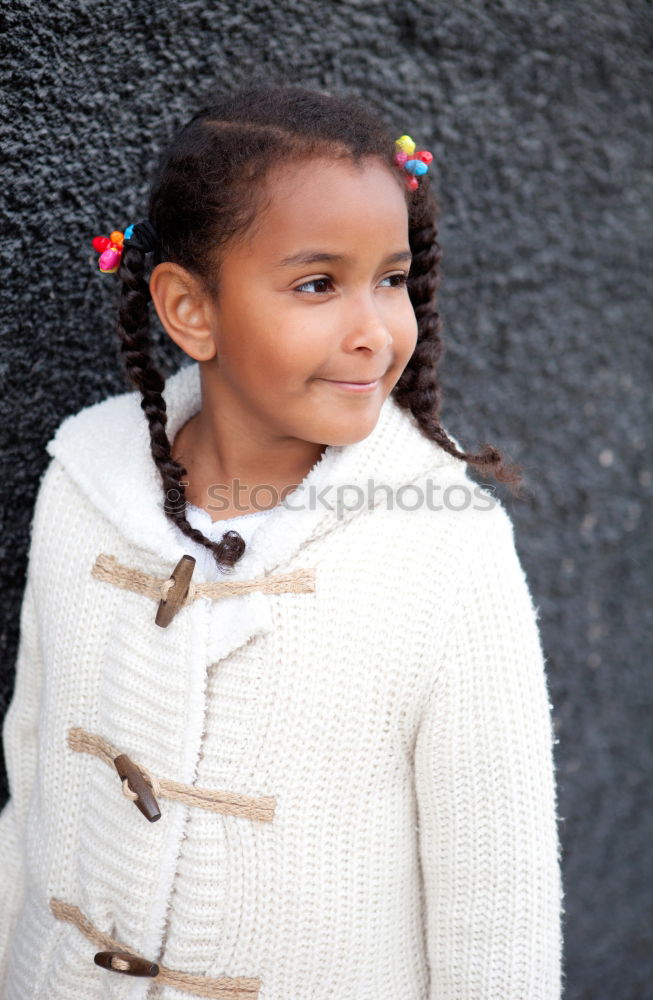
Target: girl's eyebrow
(315,256)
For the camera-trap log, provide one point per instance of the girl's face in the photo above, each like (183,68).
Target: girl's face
(316,292)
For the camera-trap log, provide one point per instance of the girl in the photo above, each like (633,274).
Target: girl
(280,727)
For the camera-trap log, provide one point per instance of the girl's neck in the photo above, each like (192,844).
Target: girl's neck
(233,474)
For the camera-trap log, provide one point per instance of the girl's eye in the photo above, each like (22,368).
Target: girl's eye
(313,281)
(402,279)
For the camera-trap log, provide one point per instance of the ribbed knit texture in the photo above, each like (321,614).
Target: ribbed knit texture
(398,714)
(200,893)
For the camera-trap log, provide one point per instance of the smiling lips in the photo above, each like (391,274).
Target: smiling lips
(354,386)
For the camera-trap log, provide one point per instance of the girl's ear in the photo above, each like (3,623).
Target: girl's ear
(184,309)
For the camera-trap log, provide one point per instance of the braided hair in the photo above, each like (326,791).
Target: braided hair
(207,190)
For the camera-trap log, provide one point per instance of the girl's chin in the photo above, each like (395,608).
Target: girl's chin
(348,430)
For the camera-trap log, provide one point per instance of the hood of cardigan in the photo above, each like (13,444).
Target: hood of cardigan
(105,449)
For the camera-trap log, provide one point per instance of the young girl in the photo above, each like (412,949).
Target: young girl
(280,727)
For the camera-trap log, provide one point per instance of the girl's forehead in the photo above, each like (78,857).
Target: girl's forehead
(334,202)
(333,185)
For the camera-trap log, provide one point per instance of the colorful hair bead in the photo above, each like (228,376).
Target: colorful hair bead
(414,161)
(110,249)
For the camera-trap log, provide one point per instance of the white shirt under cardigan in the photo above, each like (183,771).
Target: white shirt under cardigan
(397,713)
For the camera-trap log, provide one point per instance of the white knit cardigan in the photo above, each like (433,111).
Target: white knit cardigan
(371,756)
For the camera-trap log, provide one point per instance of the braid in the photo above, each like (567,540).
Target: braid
(133,330)
(418,388)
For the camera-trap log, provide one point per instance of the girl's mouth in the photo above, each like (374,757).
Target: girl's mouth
(354,386)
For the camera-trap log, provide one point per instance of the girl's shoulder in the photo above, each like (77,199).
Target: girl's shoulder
(436,491)
(436,528)
(101,459)
(99,439)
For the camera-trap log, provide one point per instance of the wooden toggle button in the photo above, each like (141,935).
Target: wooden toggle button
(145,801)
(136,966)
(181,575)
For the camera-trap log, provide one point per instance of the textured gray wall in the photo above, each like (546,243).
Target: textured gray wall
(539,114)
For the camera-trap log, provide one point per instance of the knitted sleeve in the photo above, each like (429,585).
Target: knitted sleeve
(486,794)
(19,730)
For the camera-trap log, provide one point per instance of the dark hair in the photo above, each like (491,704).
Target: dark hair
(207,189)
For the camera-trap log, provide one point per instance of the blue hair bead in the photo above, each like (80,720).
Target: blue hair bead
(416,167)
(129,232)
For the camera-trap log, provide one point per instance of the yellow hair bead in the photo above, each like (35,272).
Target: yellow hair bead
(405,144)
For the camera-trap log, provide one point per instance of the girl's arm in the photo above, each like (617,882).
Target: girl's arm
(19,736)
(485,787)
(19,744)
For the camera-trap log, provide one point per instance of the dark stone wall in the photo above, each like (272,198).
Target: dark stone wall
(539,115)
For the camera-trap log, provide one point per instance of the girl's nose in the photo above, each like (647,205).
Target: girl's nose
(366,326)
